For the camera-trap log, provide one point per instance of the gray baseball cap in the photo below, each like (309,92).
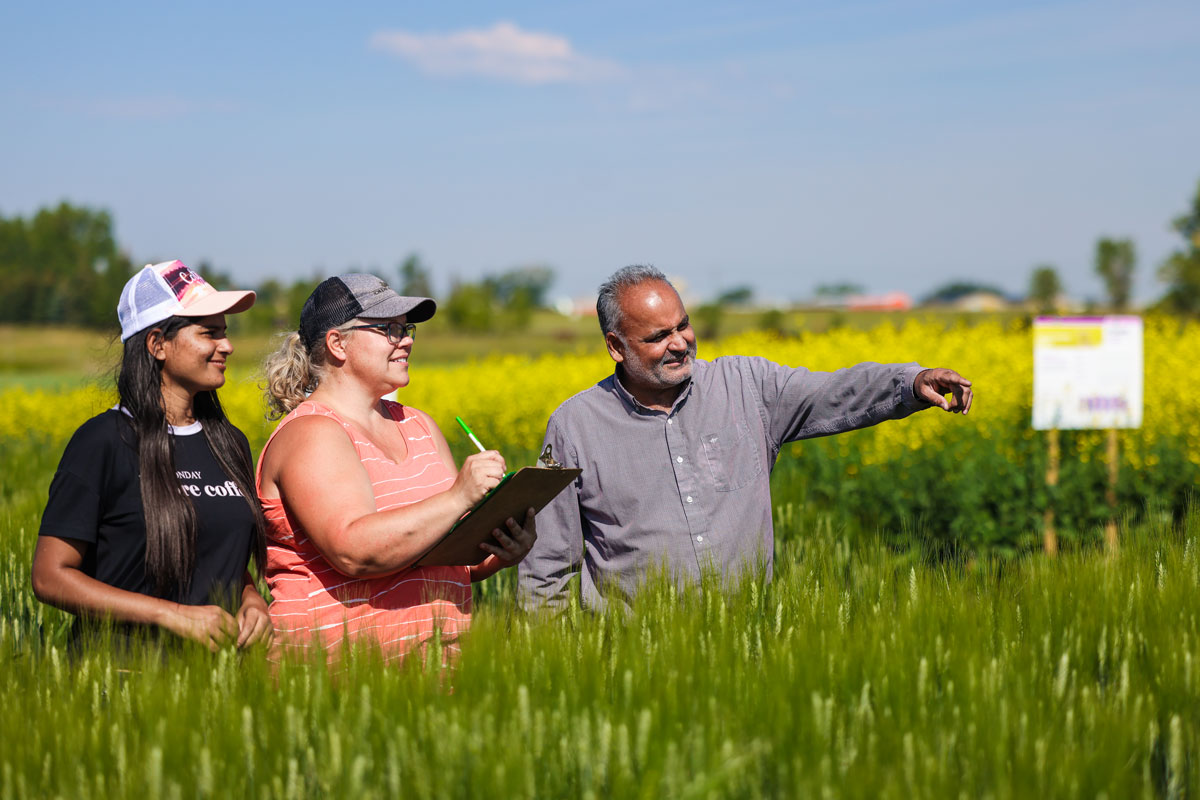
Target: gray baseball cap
(339,299)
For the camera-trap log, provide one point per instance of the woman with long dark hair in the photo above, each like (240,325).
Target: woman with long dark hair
(152,517)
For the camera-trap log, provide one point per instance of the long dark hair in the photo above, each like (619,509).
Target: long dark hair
(170,515)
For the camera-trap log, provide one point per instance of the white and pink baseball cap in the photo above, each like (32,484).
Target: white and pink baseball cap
(170,289)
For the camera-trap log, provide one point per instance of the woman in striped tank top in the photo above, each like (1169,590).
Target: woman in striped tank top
(355,488)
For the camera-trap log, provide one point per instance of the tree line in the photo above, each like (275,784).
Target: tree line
(63,265)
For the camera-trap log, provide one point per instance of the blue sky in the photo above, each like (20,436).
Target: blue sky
(898,145)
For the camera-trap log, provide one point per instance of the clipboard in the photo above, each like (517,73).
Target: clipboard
(528,487)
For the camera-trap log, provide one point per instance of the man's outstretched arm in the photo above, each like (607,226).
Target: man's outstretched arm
(801,404)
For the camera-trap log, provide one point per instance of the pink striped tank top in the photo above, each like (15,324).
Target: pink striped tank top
(314,604)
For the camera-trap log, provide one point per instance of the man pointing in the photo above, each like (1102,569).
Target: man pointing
(677,453)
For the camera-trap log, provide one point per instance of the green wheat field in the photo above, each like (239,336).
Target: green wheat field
(865,669)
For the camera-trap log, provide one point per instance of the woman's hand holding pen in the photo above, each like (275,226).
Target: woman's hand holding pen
(480,473)
(512,545)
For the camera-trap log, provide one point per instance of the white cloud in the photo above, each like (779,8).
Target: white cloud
(503,51)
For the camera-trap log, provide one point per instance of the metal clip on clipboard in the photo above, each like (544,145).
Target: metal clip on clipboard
(546,459)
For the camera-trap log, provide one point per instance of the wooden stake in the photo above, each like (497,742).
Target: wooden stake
(1110,529)
(1049,535)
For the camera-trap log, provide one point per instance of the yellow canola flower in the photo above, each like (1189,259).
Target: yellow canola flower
(50,415)
(507,399)
(997,358)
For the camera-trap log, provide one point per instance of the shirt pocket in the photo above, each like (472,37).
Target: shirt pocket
(732,456)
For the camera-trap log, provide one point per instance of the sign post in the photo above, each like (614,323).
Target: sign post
(1049,534)
(1087,375)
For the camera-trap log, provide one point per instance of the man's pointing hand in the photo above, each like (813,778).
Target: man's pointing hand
(932,384)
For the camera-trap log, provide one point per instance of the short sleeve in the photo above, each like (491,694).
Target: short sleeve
(73,509)
(75,505)
(244,444)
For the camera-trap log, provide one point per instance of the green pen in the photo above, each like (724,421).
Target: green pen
(470,434)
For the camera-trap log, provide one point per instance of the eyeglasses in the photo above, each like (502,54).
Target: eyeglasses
(395,331)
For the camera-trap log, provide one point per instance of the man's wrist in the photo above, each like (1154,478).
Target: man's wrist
(908,388)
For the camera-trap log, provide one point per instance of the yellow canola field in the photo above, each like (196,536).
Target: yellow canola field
(507,399)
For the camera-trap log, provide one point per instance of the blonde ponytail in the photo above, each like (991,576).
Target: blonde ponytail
(291,376)
(293,373)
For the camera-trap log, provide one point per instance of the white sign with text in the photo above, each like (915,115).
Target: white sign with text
(1087,372)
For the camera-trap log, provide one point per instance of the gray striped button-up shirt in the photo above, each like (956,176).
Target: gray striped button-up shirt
(688,489)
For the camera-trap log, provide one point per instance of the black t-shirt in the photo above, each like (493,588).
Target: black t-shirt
(95,498)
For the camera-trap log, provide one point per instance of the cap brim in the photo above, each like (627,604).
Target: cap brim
(413,309)
(220,303)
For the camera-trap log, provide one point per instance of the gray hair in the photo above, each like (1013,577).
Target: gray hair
(608,309)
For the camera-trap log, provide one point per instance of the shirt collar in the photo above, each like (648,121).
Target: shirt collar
(182,430)
(632,402)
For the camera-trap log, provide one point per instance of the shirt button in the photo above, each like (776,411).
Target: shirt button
(699,538)
(679,459)
(689,498)
(670,422)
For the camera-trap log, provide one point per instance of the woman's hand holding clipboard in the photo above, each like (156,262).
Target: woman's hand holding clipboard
(517,492)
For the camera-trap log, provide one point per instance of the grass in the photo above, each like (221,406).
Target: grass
(862,670)
(51,357)
(859,672)
(47,357)
(853,675)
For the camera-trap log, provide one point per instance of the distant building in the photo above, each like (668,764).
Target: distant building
(969,296)
(576,306)
(586,306)
(979,301)
(890,301)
